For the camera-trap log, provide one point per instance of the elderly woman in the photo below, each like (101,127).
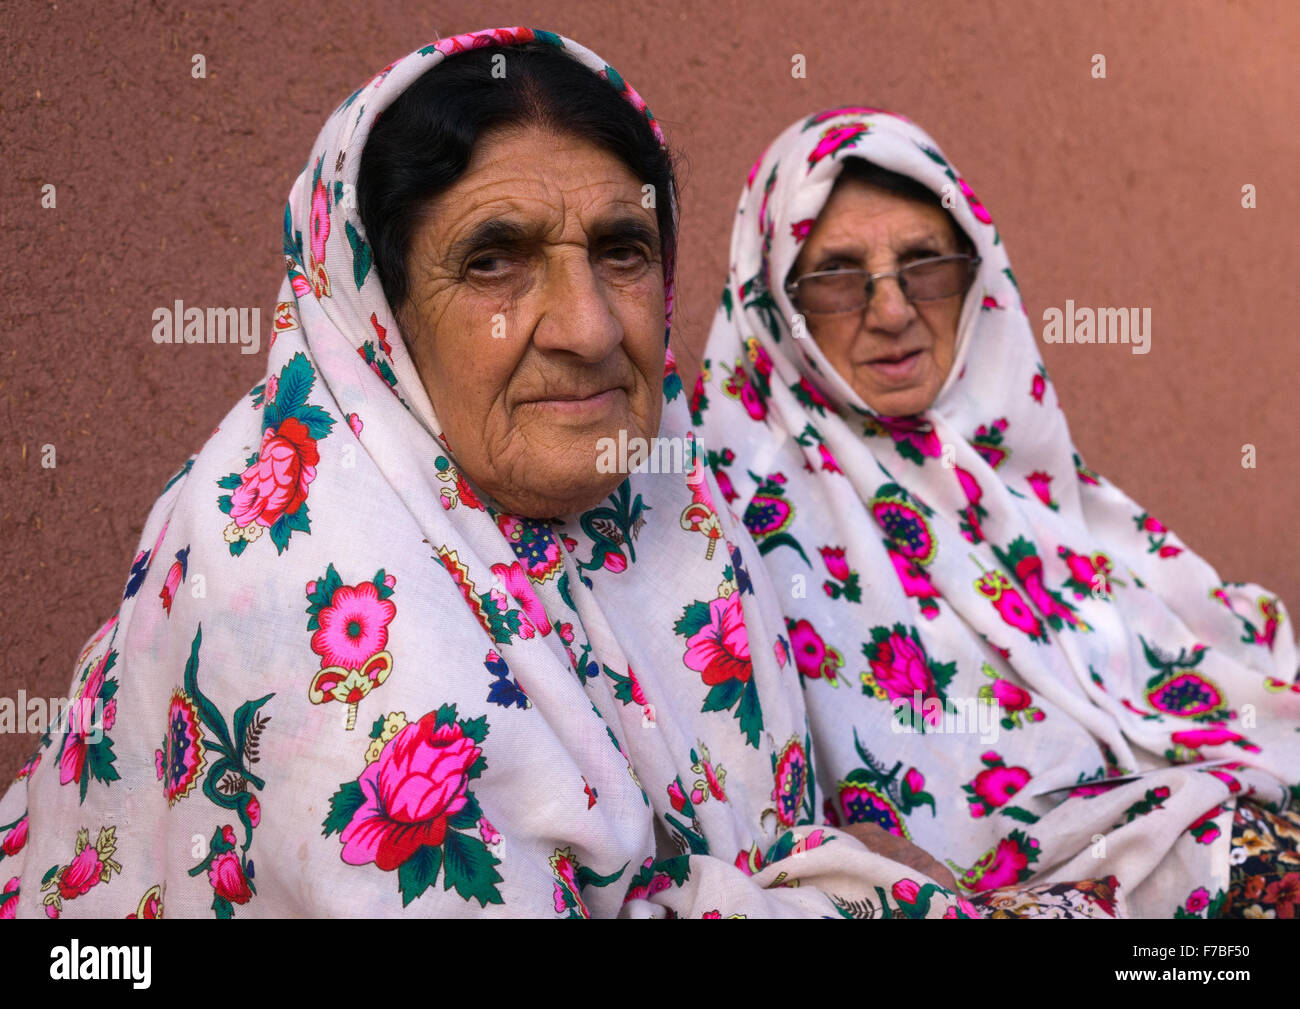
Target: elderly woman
(393,643)
(1007,663)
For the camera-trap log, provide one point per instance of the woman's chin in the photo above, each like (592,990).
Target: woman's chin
(906,402)
(546,502)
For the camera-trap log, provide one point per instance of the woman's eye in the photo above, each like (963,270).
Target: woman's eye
(626,255)
(486,264)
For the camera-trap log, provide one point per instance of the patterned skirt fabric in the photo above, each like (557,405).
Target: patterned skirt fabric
(1085,898)
(1265,875)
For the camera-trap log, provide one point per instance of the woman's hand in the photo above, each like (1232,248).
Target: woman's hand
(882,842)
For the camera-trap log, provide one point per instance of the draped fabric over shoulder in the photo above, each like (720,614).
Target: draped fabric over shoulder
(967,556)
(339,684)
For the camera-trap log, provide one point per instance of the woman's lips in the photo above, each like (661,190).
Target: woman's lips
(574,407)
(896,369)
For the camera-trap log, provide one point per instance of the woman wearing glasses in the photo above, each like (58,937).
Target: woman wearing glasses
(1008,664)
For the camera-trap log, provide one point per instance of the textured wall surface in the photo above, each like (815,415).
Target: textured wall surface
(1117,192)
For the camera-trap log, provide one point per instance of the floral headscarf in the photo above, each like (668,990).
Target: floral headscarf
(927,564)
(338,684)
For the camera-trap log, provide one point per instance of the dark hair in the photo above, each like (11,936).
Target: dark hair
(862,170)
(421,144)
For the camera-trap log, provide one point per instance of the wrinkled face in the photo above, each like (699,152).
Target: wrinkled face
(536,317)
(895,354)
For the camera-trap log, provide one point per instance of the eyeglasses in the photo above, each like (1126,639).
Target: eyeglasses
(828,292)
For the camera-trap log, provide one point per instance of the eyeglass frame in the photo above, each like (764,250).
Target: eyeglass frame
(791,288)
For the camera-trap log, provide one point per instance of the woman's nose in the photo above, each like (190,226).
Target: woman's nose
(576,314)
(889,308)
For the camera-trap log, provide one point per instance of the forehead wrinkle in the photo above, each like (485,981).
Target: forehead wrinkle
(619,212)
(510,207)
(495,183)
(539,217)
(848,237)
(846,242)
(590,208)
